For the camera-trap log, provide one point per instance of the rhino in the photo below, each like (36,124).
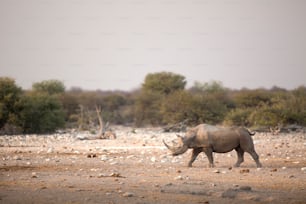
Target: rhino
(208,139)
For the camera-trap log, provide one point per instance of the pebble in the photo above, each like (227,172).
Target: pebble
(217,171)
(178,178)
(303,169)
(50,150)
(245,188)
(130,156)
(104,158)
(242,171)
(34,175)
(128,194)
(153,159)
(113,163)
(229,193)
(17,158)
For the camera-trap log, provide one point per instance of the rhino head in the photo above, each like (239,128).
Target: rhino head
(181,148)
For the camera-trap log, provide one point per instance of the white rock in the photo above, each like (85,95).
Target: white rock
(303,169)
(153,159)
(178,178)
(34,175)
(50,150)
(130,156)
(104,158)
(217,171)
(17,158)
(128,194)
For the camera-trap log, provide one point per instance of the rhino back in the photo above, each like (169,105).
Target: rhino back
(223,141)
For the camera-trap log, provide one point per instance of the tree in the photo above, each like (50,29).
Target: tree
(40,113)
(210,102)
(164,82)
(10,93)
(156,88)
(208,87)
(147,108)
(49,86)
(252,98)
(176,107)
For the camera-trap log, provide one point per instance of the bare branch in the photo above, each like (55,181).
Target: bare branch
(101,123)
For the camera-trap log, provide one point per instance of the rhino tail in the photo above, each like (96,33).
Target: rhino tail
(251,133)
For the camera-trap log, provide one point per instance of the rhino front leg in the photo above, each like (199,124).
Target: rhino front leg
(209,154)
(195,153)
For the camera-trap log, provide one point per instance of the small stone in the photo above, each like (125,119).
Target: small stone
(128,194)
(243,171)
(245,188)
(17,158)
(34,175)
(113,163)
(273,170)
(153,159)
(115,175)
(50,150)
(104,158)
(101,175)
(303,169)
(178,178)
(217,171)
(229,193)
(91,155)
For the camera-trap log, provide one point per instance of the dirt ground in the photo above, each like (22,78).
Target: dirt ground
(137,168)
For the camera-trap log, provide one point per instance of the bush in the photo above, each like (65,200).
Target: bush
(175,107)
(40,113)
(238,117)
(10,93)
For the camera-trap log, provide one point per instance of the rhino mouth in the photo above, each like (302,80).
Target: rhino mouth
(176,150)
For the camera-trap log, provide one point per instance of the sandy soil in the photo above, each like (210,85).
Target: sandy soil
(137,168)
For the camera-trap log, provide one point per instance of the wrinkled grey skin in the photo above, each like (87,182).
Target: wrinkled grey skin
(205,138)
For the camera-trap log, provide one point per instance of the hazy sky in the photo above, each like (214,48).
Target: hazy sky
(114,44)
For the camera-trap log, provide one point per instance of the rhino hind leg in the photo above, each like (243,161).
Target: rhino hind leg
(255,157)
(195,153)
(240,156)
